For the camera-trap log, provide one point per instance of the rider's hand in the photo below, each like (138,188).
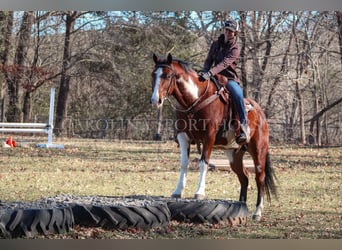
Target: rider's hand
(204,76)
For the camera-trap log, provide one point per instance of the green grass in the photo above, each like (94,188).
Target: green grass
(310,192)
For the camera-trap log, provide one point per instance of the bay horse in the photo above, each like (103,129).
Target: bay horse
(201,112)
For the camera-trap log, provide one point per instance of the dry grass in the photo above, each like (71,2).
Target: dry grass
(310,193)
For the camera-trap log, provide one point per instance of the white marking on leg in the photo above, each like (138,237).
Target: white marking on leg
(203,172)
(183,141)
(155,94)
(259,209)
(258,167)
(230,155)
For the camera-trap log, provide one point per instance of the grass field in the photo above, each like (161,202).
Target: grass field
(309,179)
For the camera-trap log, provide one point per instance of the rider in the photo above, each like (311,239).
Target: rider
(223,54)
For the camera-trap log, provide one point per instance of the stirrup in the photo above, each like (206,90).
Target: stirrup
(244,135)
(242,139)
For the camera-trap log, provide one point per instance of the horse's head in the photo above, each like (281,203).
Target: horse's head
(162,79)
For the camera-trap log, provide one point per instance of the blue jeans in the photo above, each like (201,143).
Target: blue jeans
(237,95)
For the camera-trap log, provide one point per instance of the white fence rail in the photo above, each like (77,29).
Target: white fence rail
(15,127)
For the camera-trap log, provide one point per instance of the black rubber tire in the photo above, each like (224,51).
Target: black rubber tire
(60,213)
(28,222)
(208,211)
(116,212)
(203,211)
(121,217)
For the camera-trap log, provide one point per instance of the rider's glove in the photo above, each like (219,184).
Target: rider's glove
(204,76)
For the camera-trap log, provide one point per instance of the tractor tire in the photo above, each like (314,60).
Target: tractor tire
(208,211)
(117,212)
(202,211)
(21,219)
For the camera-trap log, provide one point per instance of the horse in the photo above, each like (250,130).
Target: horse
(201,113)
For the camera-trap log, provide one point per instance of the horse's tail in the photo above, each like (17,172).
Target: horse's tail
(270,178)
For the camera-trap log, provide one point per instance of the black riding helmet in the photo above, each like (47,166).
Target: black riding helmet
(232,25)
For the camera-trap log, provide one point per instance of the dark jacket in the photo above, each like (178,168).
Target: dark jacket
(223,56)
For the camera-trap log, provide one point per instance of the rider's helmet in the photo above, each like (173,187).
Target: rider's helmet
(232,25)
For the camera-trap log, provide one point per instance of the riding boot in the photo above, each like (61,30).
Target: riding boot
(237,96)
(244,135)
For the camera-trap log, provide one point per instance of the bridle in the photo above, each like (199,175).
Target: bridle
(172,76)
(192,108)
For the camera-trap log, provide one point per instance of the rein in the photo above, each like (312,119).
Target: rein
(192,107)
(197,105)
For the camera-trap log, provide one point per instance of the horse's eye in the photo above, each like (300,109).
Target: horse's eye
(165,76)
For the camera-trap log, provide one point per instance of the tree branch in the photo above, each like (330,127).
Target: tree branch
(320,113)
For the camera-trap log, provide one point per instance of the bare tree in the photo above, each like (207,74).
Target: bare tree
(64,87)
(243,53)
(6,24)
(339,23)
(102,71)
(19,68)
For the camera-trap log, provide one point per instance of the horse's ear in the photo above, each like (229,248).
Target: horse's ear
(169,58)
(155,58)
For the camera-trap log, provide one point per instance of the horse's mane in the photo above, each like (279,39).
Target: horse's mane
(185,65)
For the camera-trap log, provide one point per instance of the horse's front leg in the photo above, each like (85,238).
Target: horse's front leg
(184,145)
(200,193)
(203,164)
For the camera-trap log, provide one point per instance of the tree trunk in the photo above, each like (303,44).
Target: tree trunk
(6,18)
(27,105)
(5,43)
(292,120)
(312,139)
(339,23)
(157,135)
(64,87)
(301,113)
(300,68)
(243,54)
(14,81)
(283,70)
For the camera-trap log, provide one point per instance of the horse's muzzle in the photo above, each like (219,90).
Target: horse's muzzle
(156,101)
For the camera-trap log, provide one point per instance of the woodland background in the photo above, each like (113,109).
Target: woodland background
(101,62)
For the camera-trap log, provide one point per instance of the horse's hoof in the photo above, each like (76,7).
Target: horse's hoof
(256,218)
(176,196)
(199,196)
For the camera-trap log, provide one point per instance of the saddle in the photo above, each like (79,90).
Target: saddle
(230,129)
(220,81)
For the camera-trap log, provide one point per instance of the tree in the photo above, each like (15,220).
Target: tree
(6,24)
(100,63)
(339,31)
(16,74)
(64,87)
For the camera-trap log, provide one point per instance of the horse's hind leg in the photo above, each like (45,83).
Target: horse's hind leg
(236,164)
(184,145)
(259,158)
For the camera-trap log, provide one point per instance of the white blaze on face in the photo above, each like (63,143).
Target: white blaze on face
(155,94)
(190,87)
